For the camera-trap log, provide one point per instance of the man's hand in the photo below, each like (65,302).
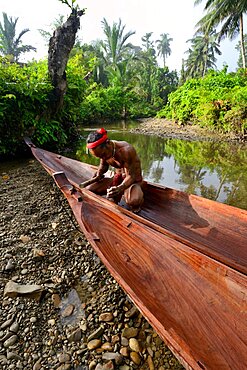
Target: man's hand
(91,181)
(114,191)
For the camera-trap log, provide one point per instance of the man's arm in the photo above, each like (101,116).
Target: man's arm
(130,167)
(103,168)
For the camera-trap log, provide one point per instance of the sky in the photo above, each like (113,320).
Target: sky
(175,17)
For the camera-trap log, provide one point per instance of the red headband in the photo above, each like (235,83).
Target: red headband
(100,141)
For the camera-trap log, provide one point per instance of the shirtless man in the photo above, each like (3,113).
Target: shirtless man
(128,175)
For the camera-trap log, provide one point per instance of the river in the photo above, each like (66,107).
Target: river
(214,170)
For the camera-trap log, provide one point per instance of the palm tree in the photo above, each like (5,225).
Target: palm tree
(229,15)
(202,54)
(115,46)
(11,45)
(238,48)
(164,46)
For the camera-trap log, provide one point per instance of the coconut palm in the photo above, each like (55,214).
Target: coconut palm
(163,46)
(202,54)
(10,45)
(228,14)
(115,46)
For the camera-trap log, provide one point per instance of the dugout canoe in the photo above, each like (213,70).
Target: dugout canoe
(182,260)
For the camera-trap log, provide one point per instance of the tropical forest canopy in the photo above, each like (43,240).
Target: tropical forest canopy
(112,78)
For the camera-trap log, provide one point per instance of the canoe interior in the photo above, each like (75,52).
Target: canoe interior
(217,230)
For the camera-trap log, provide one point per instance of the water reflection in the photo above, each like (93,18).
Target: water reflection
(215,171)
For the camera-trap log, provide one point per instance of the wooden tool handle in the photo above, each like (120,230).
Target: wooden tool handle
(90,181)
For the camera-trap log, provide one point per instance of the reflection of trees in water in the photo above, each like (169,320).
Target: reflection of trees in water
(193,177)
(157,173)
(193,161)
(227,161)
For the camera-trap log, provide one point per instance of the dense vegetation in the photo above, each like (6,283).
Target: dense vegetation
(112,78)
(216,101)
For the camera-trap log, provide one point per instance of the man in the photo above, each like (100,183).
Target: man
(128,175)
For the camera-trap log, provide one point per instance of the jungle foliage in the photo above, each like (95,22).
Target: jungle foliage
(216,101)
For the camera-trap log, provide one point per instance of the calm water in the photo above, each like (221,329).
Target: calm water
(216,171)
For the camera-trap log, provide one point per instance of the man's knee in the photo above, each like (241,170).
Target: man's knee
(134,195)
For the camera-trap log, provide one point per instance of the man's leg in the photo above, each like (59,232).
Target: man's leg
(134,197)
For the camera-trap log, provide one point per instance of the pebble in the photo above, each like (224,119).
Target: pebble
(13,356)
(68,311)
(135,345)
(14,327)
(96,333)
(107,316)
(135,357)
(7,323)
(130,332)
(93,344)
(150,363)
(56,300)
(10,341)
(64,357)
(10,265)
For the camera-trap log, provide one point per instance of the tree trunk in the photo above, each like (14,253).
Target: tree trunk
(60,45)
(242,40)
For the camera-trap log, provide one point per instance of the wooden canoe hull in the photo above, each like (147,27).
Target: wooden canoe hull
(197,303)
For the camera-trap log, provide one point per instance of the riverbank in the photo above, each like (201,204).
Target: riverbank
(60,308)
(168,129)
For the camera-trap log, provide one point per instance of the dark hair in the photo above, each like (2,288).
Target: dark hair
(94,136)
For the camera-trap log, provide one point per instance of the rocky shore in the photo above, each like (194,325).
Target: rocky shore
(60,308)
(168,129)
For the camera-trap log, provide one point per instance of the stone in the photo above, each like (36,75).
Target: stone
(75,336)
(124,351)
(107,346)
(51,322)
(150,363)
(107,316)
(13,356)
(25,238)
(111,356)
(14,290)
(135,357)
(115,338)
(96,334)
(38,253)
(37,365)
(10,265)
(99,367)
(135,345)
(64,357)
(14,327)
(108,366)
(68,311)
(93,344)
(92,365)
(10,341)
(64,367)
(132,312)
(129,332)
(150,351)
(3,360)
(7,323)
(124,341)
(56,300)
